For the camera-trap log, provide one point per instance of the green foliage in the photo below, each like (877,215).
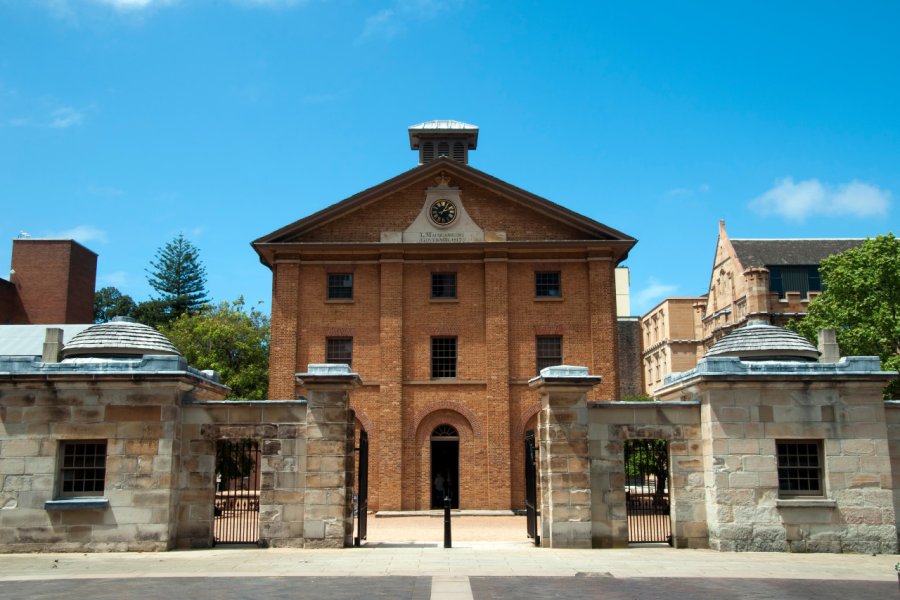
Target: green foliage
(861,302)
(109,302)
(638,398)
(229,340)
(152,312)
(179,277)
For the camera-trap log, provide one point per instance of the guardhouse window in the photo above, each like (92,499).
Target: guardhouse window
(83,468)
(548,351)
(547,284)
(443,285)
(340,286)
(339,350)
(800,468)
(443,357)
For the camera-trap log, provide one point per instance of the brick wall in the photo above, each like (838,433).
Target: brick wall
(55,280)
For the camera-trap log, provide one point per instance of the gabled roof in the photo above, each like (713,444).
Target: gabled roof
(761,253)
(592,229)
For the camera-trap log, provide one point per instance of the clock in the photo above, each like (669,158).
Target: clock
(442,212)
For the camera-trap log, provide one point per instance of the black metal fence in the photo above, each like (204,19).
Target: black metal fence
(362,490)
(647,491)
(531,510)
(236,510)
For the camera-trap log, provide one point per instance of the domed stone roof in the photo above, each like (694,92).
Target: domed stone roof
(120,337)
(760,341)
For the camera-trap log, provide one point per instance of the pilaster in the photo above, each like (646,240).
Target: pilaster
(390,415)
(498,425)
(285,330)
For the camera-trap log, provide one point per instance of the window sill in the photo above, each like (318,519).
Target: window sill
(444,300)
(77,504)
(548,298)
(339,301)
(805,503)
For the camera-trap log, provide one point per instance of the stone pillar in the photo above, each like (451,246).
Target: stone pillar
(565,466)
(328,499)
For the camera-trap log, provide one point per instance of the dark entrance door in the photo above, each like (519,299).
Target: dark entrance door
(647,491)
(531,511)
(362,489)
(444,466)
(236,509)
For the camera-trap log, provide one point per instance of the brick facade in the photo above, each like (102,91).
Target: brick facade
(52,281)
(494,318)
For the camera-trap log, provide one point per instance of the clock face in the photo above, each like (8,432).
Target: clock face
(442,212)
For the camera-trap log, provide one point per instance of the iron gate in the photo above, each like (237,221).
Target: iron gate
(236,510)
(647,491)
(362,490)
(531,511)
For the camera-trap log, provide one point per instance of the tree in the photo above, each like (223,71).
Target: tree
(109,302)
(179,277)
(861,302)
(229,340)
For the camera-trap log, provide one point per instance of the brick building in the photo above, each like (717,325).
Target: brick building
(446,289)
(50,281)
(760,279)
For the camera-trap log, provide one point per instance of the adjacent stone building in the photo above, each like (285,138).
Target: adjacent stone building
(446,289)
(763,279)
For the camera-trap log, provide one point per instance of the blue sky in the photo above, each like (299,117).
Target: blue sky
(125,122)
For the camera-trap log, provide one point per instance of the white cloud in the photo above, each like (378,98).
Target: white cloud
(65,117)
(83,234)
(389,22)
(687,192)
(651,294)
(796,201)
(115,279)
(134,5)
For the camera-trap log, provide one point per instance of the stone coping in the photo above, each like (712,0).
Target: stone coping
(77,504)
(238,402)
(653,404)
(806,503)
(439,512)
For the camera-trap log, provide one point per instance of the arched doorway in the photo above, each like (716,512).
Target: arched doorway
(444,466)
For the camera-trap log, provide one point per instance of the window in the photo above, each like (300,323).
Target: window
(340,286)
(83,470)
(547,284)
(443,357)
(339,350)
(443,285)
(800,468)
(803,279)
(549,351)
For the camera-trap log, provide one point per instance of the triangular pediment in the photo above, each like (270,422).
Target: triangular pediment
(487,210)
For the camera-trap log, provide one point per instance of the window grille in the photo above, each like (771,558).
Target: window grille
(443,357)
(339,350)
(443,285)
(800,468)
(459,152)
(443,149)
(340,286)
(549,351)
(427,152)
(547,284)
(83,471)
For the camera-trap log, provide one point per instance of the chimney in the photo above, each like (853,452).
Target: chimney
(828,346)
(53,342)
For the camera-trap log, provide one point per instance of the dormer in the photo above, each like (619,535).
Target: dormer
(452,139)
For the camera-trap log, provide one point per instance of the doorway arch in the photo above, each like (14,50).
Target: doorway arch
(444,466)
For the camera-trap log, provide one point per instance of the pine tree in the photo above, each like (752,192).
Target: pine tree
(179,277)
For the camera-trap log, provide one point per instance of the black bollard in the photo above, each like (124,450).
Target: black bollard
(447,542)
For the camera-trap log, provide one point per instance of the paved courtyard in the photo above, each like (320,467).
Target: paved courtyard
(405,560)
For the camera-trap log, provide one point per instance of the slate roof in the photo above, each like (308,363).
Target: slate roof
(760,341)
(119,338)
(443,124)
(28,340)
(761,253)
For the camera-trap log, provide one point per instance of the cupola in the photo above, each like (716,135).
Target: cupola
(452,139)
(760,341)
(121,337)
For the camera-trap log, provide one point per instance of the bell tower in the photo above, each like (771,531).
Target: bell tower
(452,139)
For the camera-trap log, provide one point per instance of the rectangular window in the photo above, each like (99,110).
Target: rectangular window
(547,284)
(339,351)
(443,357)
(803,279)
(800,468)
(549,351)
(443,285)
(83,470)
(340,286)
